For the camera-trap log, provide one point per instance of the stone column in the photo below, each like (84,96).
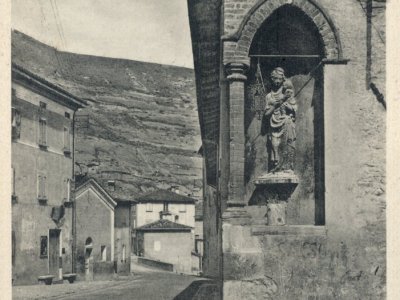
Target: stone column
(236,78)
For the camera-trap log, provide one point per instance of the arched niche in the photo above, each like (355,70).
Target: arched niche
(288,38)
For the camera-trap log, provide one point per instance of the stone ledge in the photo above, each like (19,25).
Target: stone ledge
(297,230)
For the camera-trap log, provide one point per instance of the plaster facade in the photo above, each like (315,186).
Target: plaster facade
(170,247)
(42,172)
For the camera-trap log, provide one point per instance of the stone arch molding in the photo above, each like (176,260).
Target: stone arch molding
(237,46)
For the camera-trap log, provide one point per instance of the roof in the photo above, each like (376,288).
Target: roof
(91,182)
(205,23)
(41,85)
(165,225)
(126,201)
(164,196)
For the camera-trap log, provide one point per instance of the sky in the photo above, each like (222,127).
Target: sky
(145,30)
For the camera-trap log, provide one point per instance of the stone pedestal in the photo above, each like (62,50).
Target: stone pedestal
(277,189)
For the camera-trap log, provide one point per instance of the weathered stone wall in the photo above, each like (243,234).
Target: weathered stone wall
(212,260)
(170,247)
(122,238)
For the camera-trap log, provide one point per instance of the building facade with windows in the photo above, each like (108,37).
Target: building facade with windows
(178,208)
(42,169)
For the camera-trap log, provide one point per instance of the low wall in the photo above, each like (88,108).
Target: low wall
(156,264)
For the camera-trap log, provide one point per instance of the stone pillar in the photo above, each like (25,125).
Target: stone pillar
(236,78)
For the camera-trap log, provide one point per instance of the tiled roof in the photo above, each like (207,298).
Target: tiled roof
(165,196)
(164,225)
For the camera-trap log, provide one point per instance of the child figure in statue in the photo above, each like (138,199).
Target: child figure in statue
(280,112)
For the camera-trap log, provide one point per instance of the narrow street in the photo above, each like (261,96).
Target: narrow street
(144,284)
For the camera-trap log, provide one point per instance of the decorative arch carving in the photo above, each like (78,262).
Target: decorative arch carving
(237,46)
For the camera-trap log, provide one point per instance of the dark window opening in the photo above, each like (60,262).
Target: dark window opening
(43,105)
(43,246)
(111,185)
(67,115)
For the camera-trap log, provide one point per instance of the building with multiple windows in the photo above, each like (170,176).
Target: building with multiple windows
(42,169)
(177,208)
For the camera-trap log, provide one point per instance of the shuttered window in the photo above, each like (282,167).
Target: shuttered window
(67,140)
(66,194)
(42,186)
(42,132)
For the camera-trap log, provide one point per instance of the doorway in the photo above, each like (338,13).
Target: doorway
(55,253)
(89,259)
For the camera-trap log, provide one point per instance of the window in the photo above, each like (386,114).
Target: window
(67,115)
(176,218)
(42,105)
(42,132)
(111,185)
(42,186)
(67,141)
(165,207)
(182,208)
(15,123)
(149,206)
(103,253)
(66,189)
(43,246)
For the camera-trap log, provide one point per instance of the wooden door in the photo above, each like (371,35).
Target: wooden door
(54,251)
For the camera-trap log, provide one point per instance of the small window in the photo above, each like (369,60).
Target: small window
(182,208)
(42,105)
(165,207)
(15,123)
(43,246)
(176,218)
(42,186)
(103,253)
(111,185)
(149,206)
(42,132)
(67,115)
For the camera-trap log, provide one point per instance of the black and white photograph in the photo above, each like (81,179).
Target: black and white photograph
(198,149)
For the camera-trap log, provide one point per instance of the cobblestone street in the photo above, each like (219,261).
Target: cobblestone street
(145,284)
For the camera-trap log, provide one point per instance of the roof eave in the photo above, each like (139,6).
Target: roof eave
(57,94)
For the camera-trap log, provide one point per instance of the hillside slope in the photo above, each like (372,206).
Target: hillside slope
(141,127)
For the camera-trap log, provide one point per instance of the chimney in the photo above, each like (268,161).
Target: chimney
(175,189)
